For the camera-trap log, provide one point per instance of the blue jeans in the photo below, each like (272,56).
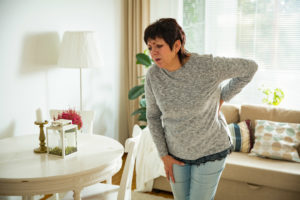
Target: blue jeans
(194,182)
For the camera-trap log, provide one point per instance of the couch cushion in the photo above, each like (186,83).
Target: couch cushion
(162,183)
(262,171)
(236,190)
(271,113)
(240,136)
(277,140)
(231,113)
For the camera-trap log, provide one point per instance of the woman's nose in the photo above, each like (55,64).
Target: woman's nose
(154,51)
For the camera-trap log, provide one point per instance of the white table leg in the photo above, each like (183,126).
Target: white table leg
(76,194)
(108,180)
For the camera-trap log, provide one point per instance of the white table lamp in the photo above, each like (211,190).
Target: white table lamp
(80,50)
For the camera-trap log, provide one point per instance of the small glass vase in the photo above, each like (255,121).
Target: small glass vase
(62,140)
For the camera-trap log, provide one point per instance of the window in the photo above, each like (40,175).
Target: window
(267,31)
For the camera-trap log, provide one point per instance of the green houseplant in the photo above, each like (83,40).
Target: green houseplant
(272,96)
(139,91)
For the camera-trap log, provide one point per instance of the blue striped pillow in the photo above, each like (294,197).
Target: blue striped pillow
(240,136)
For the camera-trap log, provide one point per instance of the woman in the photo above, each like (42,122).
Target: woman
(184,96)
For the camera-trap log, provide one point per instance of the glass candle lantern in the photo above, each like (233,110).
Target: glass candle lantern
(62,139)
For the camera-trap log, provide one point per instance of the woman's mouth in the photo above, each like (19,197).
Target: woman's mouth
(157,59)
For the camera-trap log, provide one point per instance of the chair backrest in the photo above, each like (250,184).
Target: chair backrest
(131,145)
(87,117)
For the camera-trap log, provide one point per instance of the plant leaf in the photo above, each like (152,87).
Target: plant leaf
(143,59)
(139,111)
(142,117)
(136,91)
(143,103)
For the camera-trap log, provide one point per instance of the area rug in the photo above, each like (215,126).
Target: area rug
(145,196)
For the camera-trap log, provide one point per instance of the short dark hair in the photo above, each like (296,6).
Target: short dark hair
(169,30)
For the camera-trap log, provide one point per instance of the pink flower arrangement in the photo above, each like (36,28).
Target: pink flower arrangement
(71,115)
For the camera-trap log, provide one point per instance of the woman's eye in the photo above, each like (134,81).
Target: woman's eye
(159,46)
(149,48)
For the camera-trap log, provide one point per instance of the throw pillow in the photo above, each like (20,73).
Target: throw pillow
(240,136)
(277,140)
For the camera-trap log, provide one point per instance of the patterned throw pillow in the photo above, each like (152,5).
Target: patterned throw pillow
(277,140)
(240,136)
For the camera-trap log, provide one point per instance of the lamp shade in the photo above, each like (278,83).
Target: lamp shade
(79,50)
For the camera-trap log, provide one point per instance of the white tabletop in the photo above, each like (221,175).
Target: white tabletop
(23,172)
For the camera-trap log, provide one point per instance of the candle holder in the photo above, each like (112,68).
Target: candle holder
(42,148)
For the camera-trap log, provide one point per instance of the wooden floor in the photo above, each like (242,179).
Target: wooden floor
(116,179)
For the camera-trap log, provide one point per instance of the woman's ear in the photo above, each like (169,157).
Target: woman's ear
(177,46)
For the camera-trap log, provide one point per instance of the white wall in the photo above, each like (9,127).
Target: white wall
(31,31)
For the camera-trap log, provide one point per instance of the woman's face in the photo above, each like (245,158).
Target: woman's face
(161,53)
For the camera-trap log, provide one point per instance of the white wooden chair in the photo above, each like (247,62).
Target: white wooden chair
(102,191)
(87,118)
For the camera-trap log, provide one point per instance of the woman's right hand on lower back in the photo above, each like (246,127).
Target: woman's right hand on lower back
(168,164)
(220,105)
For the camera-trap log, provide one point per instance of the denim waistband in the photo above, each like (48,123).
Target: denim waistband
(217,156)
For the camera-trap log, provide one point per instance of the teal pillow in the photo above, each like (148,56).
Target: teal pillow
(240,134)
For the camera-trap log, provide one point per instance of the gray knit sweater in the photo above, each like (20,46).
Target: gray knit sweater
(182,106)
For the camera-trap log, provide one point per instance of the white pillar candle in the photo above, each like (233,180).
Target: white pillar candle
(39,116)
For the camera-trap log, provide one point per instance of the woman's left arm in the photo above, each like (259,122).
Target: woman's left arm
(239,71)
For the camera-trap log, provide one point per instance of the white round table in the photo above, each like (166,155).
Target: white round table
(25,173)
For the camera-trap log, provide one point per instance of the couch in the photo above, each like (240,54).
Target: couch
(248,177)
